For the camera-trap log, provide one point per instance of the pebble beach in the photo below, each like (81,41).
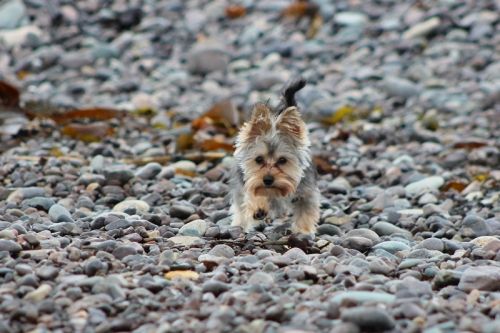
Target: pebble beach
(117,121)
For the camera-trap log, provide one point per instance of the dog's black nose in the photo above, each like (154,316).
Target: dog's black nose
(268,180)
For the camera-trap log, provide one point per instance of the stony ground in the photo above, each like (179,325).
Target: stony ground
(131,233)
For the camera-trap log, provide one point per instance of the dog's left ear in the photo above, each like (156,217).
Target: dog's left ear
(290,122)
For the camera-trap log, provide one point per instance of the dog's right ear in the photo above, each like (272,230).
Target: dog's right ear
(259,123)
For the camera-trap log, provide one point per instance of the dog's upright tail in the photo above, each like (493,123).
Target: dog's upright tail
(288,99)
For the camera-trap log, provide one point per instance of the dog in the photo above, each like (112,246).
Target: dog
(274,172)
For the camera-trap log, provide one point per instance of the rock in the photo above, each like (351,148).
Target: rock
(118,224)
(433,244)
(294,254)
(481,277)
(58,213)
(41,203)
(182,212)
(355,19)
(382,266)
(122,251)
(25,193)
(370,319)
(364,297)
(222,250)
(183,274)
(366,233)
(261,278)
(446,278)
(360,244)
(392,246)
(196,228)
(475,226)
(484,240)
(47,272)
(149,171)
(422,29)
(214,287)
(38,294)
(119,173)
(8,245)
(387,229)
(139,205)
(207,57)
(12,14)
(20,36)
(398,87)
(429,183)
(329,229)
(76,60)
(184,240)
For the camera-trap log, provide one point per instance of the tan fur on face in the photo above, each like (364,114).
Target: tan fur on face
(286,177)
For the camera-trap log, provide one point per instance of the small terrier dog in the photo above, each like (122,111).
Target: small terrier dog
(274,172)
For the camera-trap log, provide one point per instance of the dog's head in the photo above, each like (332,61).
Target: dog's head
(272,148)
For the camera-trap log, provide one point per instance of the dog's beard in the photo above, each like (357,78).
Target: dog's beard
(282,187)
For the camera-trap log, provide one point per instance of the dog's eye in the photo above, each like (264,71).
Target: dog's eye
(259,160)
(282,160)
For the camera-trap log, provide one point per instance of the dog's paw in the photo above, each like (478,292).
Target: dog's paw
(260,214)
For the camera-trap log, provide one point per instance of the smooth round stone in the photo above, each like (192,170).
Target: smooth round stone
(391,246)
(366,233)
(206,57)
(196,228)
(58,213)
(123,251)
(294,254)
(364,297)
(7,234)
(149,171)
(8,245)
(477,225)
(329,229)
(184,240)
(186,166)
(118,224)
(422,29)
(25,193)
(484,240)
(139,205)
(386,229)
(93,266)
(369,319)
(215,287)
(97,163)
(12,14)
(261,278)
(39,293)
(182,212)
(429,183)
(360,244)
(433,244)
(222,250)
(40,203)
(47,272)
(399,87)
(481,277)
(76,60)
(119,173)
(351,18)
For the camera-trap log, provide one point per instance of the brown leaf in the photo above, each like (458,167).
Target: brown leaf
(94,114)
(471,143)
(208,145)
(323,166)
(316,23)
(235,11)
(9,95)
(185,141)
(456,185)
(223,115)
(301,8)
(88,132)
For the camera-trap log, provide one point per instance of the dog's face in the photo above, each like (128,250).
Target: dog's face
(272,149)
